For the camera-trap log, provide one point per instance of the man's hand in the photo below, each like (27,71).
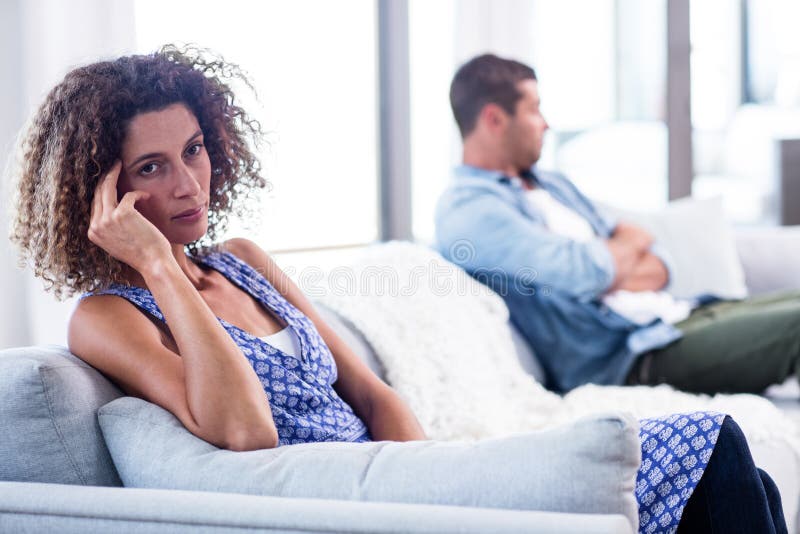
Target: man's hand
(634,236)
(649,274)
(637,269)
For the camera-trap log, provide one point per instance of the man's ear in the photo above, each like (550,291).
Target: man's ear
(493,117)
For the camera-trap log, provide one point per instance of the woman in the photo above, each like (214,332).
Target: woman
(146,155)
(130,169)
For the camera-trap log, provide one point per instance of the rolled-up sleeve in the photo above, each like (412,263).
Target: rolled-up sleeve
(484,232)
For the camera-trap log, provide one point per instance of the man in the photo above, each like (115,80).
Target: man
(586,291)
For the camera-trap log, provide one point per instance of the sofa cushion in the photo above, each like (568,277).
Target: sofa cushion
(41,508)
(48,404)
(587,467)
(352,337)
(770,257)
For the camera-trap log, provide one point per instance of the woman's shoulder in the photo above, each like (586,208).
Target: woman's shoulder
(253,255)
(106,307)
(99,317)
(242,248)
(258,259)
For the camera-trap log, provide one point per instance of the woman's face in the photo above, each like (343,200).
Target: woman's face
(163,154)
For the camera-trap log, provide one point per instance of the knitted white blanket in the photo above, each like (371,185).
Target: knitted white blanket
(446,346)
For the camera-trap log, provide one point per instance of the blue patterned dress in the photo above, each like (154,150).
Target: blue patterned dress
(300,391)
(675,448)
(675,452)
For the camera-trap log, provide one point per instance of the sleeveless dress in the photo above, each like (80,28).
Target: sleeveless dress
(306,408)
(300,391)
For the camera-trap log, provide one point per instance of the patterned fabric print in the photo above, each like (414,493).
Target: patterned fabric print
(304,404)
(675,452)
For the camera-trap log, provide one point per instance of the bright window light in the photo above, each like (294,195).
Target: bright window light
(313,64)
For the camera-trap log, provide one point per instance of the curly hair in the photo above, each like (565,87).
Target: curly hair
(77,134)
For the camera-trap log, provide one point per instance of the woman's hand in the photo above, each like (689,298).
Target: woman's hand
(119,229)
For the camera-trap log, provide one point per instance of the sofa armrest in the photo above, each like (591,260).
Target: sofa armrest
(770,257)
(36,507)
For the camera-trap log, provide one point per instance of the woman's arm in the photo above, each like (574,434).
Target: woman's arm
(207,382)
(386,415)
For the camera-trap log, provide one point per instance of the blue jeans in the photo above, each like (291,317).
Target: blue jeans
(733,495)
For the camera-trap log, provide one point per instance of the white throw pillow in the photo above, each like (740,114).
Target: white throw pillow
(588,466)
(701,243)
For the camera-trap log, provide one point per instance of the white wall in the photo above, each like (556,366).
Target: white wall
(40,40)
(13,304)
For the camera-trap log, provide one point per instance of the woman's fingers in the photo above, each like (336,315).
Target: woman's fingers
(109,186)
(97,208)
(131,198)
(97,200)
(105,199)
(119,228)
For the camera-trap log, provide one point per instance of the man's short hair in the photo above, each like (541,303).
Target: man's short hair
(482,80)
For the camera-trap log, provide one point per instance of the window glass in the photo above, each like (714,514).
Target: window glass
(601,66)
(745,96)
(313,65)
(602,78)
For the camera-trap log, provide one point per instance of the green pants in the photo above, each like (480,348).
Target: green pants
(734,347)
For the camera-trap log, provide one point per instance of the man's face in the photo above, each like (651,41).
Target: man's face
(526,127)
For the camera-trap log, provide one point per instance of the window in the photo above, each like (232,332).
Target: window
(745,95)
(773,52)
(435,145)
(602,72)
(313,64)
(601,66)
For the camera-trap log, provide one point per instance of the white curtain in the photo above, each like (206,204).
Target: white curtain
(40,40)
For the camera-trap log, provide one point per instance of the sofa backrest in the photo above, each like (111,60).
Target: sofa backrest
(356,341)
(352,337)
(48,412)
(49,400)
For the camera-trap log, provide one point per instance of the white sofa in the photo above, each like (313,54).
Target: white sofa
(46,487)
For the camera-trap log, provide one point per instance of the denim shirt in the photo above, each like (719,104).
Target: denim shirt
(552,285)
